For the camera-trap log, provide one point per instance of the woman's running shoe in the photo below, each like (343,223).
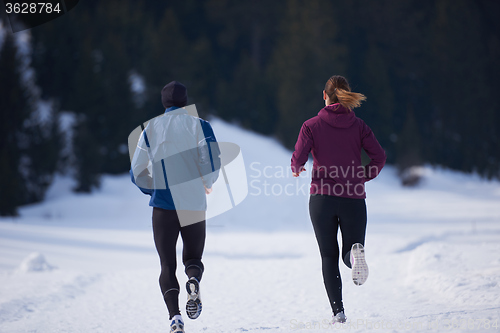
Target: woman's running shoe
(339,318)
(359,266)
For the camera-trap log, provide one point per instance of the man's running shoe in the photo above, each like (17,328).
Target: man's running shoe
(177,325)
(193,305)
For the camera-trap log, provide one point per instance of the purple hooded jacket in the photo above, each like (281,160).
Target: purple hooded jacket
(335,138)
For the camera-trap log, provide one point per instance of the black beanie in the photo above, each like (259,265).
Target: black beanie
(174,94)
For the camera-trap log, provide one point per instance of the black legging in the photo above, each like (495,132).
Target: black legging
(327,214)
(166,228)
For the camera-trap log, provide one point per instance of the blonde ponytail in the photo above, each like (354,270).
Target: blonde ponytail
(349,99)
(338,90)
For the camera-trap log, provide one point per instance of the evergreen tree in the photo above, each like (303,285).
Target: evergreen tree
(165,60)
(243,37)
(14,108)
(29,145)
(93,70)
(409,152)
(463,89)
(264,64)
(306,55)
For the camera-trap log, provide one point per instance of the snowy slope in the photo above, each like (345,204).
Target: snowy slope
(87,263)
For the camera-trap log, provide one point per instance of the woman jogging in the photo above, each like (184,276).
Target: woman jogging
(335,138)
(176,161)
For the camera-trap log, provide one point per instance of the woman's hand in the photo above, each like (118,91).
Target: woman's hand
(296,174)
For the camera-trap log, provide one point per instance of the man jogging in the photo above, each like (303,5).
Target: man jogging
(176,162)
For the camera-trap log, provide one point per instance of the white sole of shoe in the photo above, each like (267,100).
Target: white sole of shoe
(359,267)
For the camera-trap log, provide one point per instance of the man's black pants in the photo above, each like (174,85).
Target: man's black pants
(166,229)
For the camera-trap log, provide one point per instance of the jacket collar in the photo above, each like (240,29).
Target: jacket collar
(172,108)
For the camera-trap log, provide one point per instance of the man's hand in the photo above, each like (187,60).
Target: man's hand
(207,190)
(296,174)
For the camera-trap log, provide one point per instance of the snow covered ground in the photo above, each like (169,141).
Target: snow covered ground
(87,263)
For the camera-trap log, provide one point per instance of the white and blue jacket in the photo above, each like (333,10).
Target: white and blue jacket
(176,157)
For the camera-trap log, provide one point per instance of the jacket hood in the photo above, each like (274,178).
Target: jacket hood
(337,116)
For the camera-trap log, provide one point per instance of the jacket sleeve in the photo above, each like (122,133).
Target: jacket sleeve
(375,151)
(140,171)
(302,148)
(209,161)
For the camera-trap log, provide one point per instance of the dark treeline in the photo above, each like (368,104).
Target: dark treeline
(429,69)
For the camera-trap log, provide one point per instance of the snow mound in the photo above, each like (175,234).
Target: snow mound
(459,272)
(35,262)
